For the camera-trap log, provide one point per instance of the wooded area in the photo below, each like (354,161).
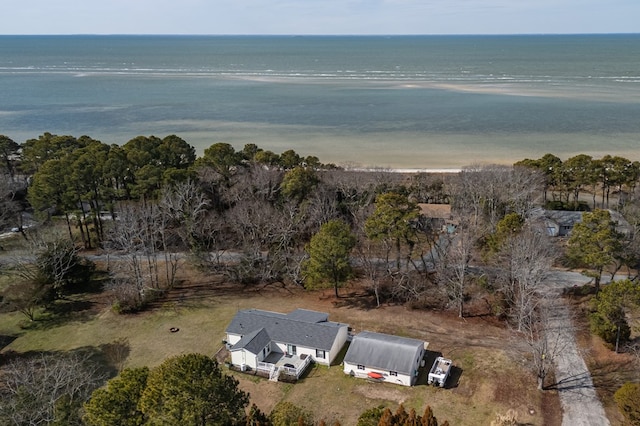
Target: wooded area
(258,217)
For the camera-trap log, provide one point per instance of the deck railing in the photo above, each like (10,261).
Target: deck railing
(265,366)
(269,368)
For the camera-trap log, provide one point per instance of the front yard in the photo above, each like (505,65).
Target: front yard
(490,376)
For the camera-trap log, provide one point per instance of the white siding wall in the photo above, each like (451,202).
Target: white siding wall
(307,351)
(338,344)
(263,354)
(280,347)
(304,350)
(330,355)
(242,357)
(232,339)
(400,379)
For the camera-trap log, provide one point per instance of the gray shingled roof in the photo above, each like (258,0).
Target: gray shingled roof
(306,315)
(253,342)
(300,327)
(384,351)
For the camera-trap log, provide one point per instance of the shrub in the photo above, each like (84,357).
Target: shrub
(371,416)
(628,400)
(286,413)
(607,329)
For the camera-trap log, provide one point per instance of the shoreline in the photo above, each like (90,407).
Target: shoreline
(404,170)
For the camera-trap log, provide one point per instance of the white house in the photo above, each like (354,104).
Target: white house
(385,357)
(277,343)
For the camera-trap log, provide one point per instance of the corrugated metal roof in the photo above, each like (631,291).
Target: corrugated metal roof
(301,327)
(384,351)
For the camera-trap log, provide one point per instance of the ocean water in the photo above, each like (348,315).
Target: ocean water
(423,102)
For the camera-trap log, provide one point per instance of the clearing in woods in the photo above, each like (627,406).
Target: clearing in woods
(490,374)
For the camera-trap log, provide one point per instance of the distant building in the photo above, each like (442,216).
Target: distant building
(440,216)
(560,223)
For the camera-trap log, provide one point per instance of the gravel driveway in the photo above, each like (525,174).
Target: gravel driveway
(580,403)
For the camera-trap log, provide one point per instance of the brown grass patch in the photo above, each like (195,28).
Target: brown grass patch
(202,305)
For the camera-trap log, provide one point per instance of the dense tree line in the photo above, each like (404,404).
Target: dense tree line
(566,180)
(152,199)
(260,217)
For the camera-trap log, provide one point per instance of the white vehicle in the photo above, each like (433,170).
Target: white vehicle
(439,372)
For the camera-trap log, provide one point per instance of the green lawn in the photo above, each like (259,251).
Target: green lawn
(490,381)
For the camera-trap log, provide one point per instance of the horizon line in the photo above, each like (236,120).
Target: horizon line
(316,35)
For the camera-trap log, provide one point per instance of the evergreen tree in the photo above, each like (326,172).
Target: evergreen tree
(257,417)
(117,403)
(595,243)
(192,390)
(609,319)
(392,222)
(329,251)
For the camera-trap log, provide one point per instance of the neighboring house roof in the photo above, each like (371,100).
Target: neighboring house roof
(384,351)
(564,218)
(435,211)
(621,223)
(568,219)
(253,342)
(300,327)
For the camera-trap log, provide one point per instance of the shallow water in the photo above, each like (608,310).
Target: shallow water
(402,102)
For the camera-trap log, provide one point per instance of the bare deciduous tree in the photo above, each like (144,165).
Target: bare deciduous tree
(27,296)
(186,205)
(452,266)
(487,192)
(36,388)
(526,259)
(127,239)
(138,236)
(546,342)
(56,258)
(373,268)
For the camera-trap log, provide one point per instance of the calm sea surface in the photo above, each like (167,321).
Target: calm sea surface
(422,102)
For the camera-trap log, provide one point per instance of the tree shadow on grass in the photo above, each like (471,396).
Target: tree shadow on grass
(116,353)
(609,375)
(6,341)
(355,300)
(60,312)
(606,376)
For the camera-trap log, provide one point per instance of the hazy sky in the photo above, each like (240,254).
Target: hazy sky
(319,16)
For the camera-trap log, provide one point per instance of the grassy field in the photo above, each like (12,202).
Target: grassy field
(490,375)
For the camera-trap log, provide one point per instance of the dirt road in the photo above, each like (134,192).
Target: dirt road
(580,404)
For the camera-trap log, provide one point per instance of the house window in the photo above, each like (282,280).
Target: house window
(360,367)
(393,373)
(264,351)
(320,354)
(292,350)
